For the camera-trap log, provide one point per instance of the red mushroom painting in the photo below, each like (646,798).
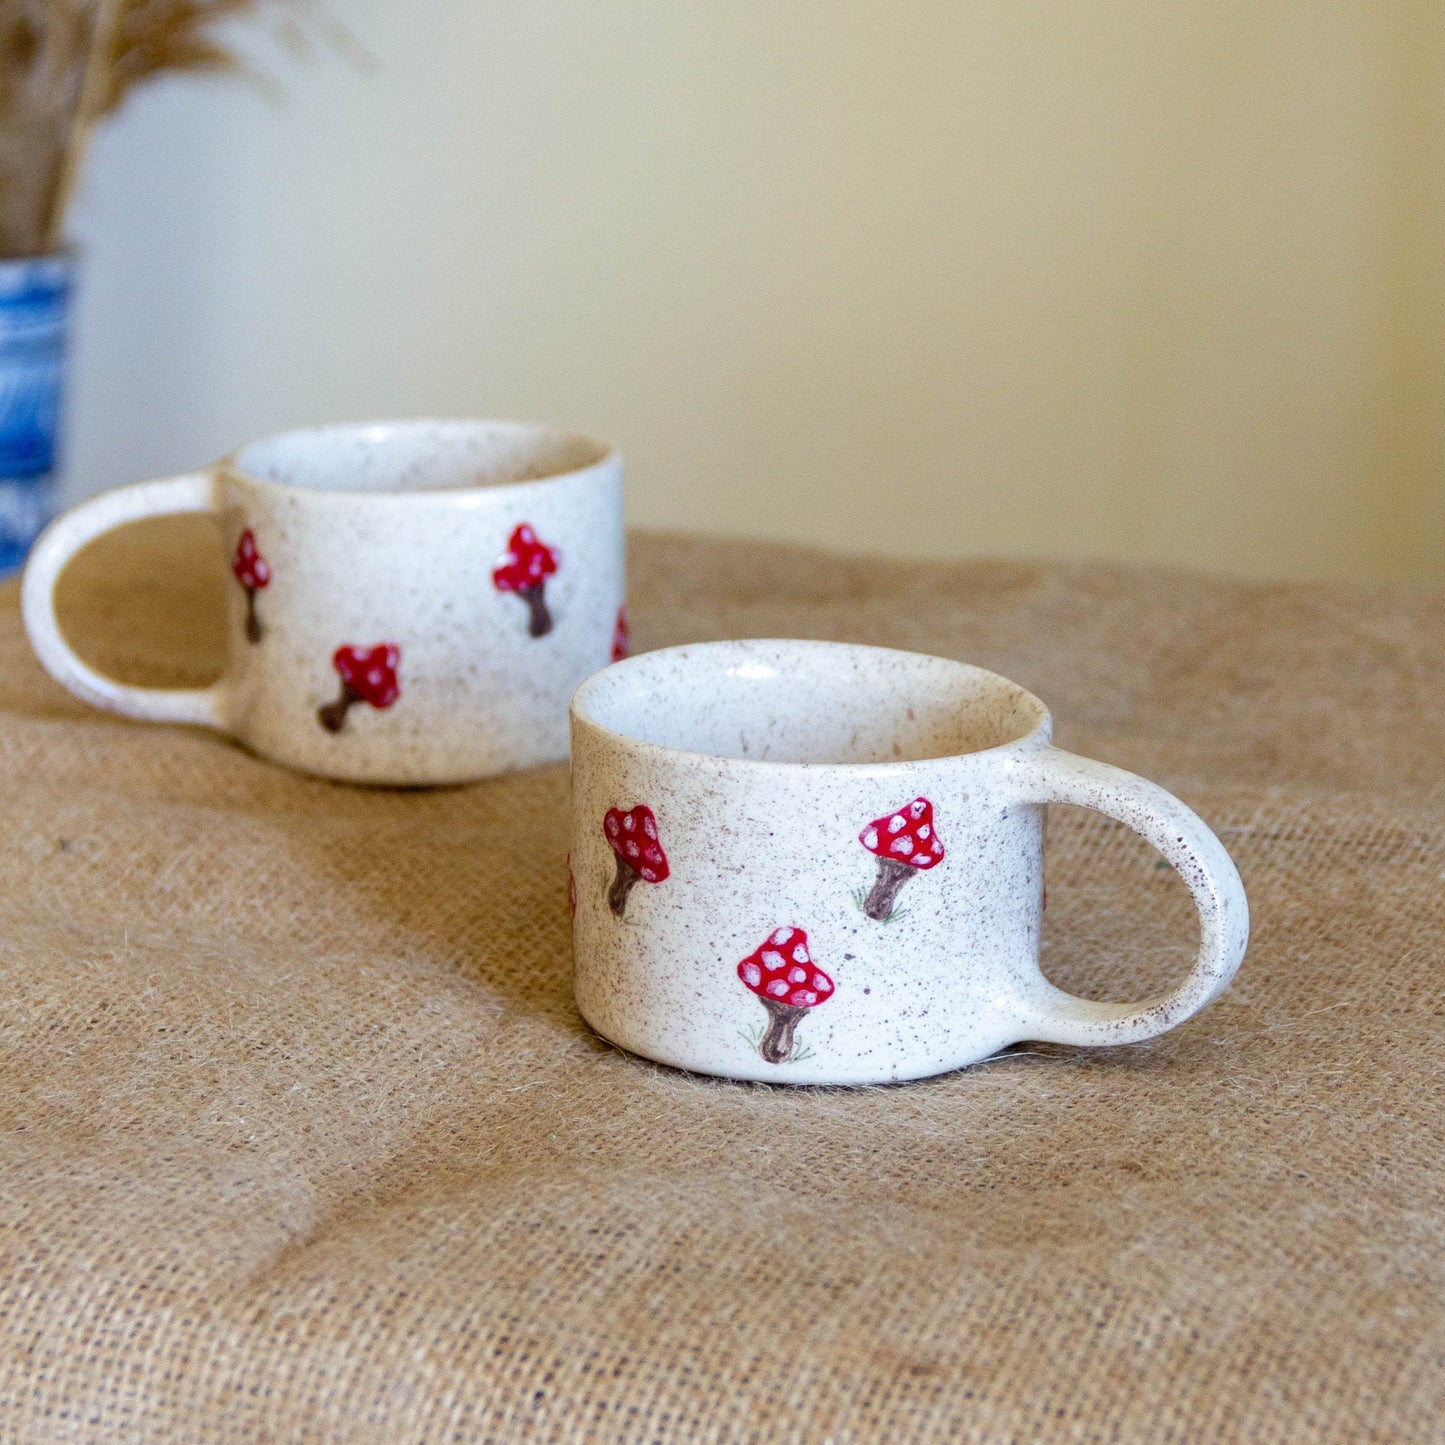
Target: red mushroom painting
(368,674)
(904,843)
(253,572)
(781,972)
(621,636)
(634,839)
(524,569)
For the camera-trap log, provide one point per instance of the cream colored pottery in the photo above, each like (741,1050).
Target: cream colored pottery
(813,863)
(411,602)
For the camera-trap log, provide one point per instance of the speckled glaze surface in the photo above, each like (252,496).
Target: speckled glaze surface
(413,602)
(816,863)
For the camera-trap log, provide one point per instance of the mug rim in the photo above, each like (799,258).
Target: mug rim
(607,455)
(1038,735)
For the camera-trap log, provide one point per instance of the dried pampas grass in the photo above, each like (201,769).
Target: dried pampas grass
(66,63)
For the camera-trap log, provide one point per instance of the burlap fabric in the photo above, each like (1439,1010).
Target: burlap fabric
(304,1139)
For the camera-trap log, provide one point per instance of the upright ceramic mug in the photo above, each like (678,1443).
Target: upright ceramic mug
(412,602)
(813,863)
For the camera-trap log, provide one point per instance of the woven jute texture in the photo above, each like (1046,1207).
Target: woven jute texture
(304,1139)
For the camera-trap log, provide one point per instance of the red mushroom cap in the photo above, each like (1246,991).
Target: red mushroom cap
(633,836)
(251,568)
(907,836)
(781,968)
(527,562)
(621,636)
(370,672)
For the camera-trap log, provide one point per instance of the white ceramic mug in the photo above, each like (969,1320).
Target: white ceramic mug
(411,602)
(814,863)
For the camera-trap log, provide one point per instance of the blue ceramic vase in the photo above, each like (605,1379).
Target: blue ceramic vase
(34,305)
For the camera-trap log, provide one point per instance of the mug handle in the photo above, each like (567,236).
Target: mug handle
(52,554)
(1055,776)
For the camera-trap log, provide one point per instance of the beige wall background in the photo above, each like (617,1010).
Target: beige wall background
(1161,280)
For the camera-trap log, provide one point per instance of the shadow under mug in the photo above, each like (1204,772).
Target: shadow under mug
(411,602)
(815,863)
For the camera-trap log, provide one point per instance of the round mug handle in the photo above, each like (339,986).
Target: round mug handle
(49,558)
(1054,776)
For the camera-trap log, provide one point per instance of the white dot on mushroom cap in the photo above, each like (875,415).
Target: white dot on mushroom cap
(797,975)
(870,837)
(630,848)
(653,855)
(918,807)
(647,875)
(629,822)
(937,846)
(782,935)
(649,827)
(752,974)
(803,998)
(777,988)
(903,845)
(374,676)
(820,982)
(771,960)
(896,822)
(800,954)
(923,830)
(610,823)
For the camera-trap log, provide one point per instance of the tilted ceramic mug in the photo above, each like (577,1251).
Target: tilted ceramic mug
(814,863)
(411,602)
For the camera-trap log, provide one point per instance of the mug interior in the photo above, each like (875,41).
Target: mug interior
(417,456)
(808,702)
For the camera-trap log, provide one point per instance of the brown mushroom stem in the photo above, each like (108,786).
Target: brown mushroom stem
(333,716)
(540,621)
(892,875)
(627,875)
(777,1043)
(253,623)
